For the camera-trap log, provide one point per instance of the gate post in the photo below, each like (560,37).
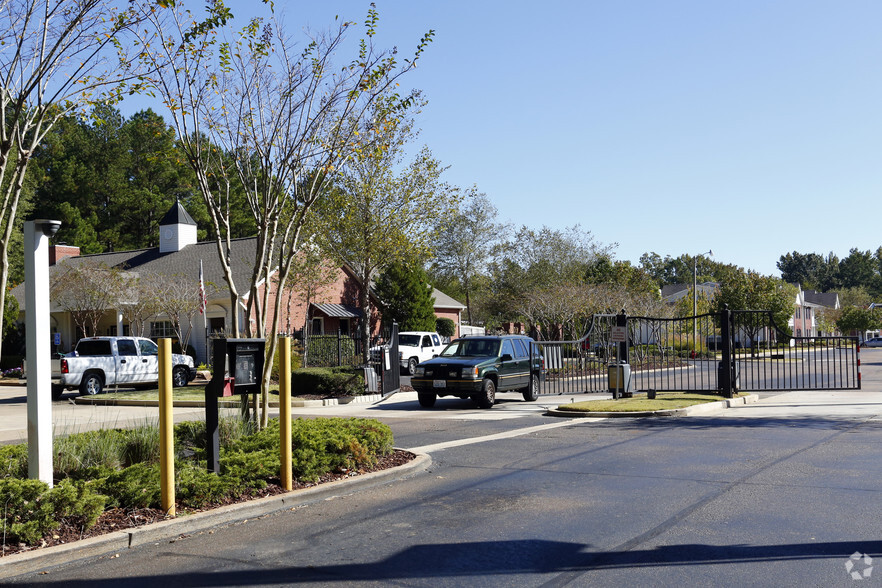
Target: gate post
(725,368)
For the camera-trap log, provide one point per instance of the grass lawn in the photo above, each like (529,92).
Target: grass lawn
(663,401)
(196,392)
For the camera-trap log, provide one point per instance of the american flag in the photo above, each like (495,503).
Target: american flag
(202,300)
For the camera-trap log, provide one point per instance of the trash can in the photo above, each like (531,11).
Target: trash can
(619,379)
(371,384)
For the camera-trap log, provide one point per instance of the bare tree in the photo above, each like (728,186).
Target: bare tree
(179,299)
(140,302)
(468,243)
(249,107)
(87,290)
(56,57)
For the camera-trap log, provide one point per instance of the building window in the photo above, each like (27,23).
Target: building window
(161,329)
(797,312)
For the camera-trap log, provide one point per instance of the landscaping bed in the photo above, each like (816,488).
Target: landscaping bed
(108,480)
(641,403)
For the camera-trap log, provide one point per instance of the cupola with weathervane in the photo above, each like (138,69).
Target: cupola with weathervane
(177,229)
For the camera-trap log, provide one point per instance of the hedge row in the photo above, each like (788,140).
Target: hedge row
(248,459)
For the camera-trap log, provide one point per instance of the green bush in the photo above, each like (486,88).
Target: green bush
(196,487)
(136,486)
(296,360)
(342,381)
(445,327)
(14,461)
(249,460)
(31,509)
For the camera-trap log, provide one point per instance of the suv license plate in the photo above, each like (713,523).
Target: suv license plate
(439,383)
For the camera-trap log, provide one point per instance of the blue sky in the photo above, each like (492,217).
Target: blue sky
(751,128)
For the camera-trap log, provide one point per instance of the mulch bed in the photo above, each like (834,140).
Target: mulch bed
(119,519)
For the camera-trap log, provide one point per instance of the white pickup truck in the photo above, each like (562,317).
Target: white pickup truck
(97,362)
(416,347)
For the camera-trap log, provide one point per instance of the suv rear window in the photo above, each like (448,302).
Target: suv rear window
(93,348)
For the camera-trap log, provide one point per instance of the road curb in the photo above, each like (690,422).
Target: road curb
(696,409)
(295,402)
(168,531)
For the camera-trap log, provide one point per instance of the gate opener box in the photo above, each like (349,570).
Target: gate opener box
(238,366)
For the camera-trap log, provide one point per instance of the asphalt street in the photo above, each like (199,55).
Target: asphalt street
(787,491)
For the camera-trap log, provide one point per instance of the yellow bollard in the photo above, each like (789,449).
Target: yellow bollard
(285,412)
(166,432)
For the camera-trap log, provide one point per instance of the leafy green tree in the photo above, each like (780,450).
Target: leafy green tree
(679,270)
(111,180)
(859,320)
(466,246)
(802,268)
(753,291)
(383,209)
(605,270)
(406,297)
(860,268)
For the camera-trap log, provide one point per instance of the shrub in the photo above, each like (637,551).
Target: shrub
(296,360)
(328,381)
(31,509)
(14,461)
(445,327)
(196,487)
(136,486)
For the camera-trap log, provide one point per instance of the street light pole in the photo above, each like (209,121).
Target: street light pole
(37,333)
(695,297)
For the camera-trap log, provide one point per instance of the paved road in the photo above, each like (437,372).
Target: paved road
(780,492)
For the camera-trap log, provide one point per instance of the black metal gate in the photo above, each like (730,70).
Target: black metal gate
(714,352)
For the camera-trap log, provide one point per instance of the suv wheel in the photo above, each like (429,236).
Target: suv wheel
(487,396)
(427,399)
(531,392)
(411,365)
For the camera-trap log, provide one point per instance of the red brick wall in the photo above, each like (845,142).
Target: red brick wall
(59,252)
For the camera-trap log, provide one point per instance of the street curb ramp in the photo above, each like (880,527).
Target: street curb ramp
(39,560)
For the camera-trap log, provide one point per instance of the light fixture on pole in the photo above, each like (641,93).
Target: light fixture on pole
(695,297)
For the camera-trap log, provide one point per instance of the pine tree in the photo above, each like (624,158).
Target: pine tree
(407,298)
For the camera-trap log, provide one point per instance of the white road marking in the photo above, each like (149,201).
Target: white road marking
(498,436)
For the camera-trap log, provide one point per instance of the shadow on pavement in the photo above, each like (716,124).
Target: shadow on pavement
(494,558)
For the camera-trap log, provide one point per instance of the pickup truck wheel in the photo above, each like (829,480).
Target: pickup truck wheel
(487,396)
(531,392)
(411,365)
(180,377)
(57,391)
(427,399)
(91,384)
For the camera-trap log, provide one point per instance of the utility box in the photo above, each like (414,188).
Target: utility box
(619,379)
(238,366)
(736,377)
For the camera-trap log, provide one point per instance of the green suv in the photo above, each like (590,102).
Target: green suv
(476,367)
